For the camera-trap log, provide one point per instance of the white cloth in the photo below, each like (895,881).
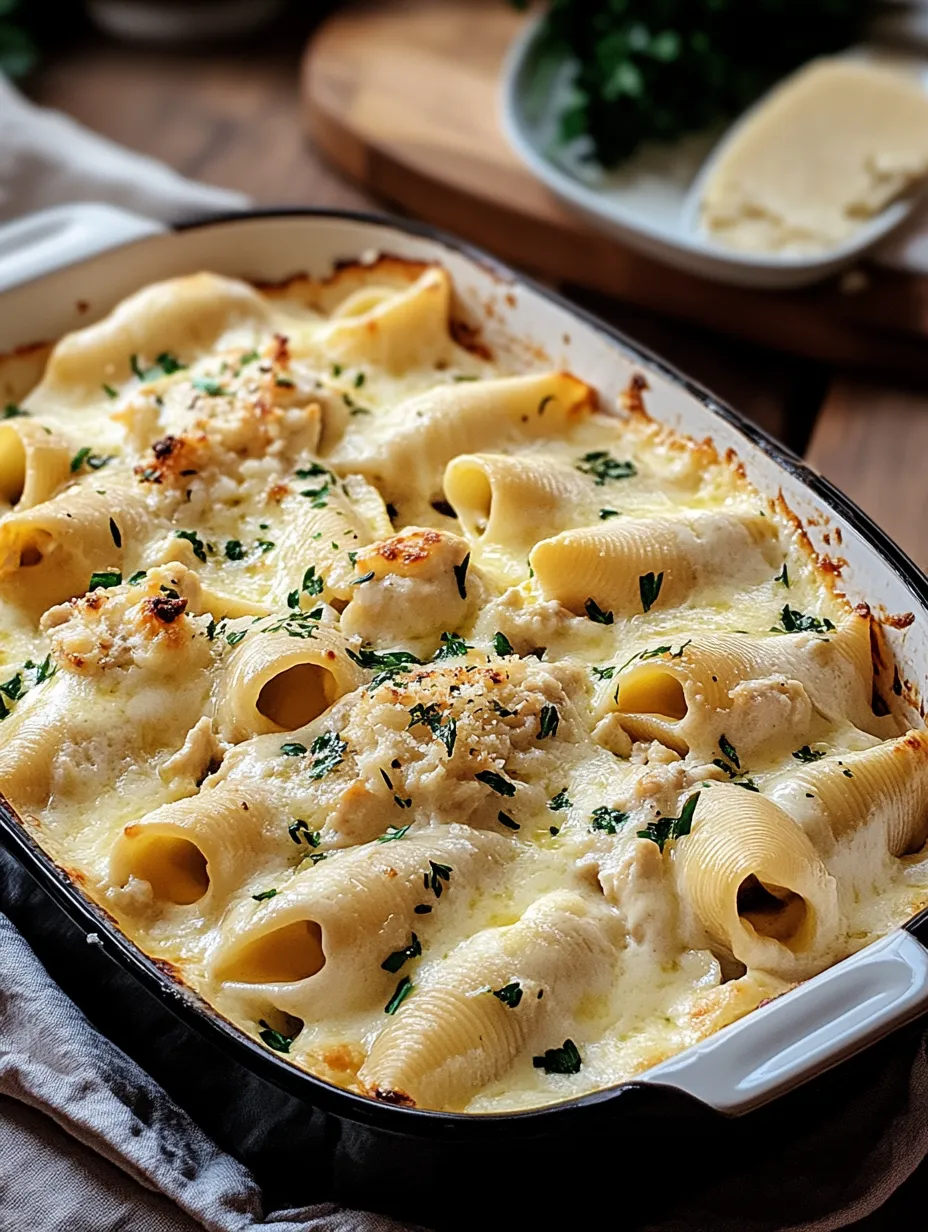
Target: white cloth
(47,159)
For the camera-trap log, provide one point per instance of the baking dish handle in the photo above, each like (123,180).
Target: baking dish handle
(806,1030)
(50,239)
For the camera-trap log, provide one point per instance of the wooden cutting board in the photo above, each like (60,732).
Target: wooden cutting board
(403,96)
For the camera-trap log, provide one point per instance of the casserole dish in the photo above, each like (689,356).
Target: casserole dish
(777,1048)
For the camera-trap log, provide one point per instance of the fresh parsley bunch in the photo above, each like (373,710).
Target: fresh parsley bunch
(654,70)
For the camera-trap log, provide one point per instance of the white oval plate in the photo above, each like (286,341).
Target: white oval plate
(651,202)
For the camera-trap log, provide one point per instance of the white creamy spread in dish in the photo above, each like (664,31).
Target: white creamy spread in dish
(829,149)
(468,744)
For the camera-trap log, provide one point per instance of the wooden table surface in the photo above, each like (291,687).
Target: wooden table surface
(232,118)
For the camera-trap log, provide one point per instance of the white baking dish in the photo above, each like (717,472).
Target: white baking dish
(776,1047)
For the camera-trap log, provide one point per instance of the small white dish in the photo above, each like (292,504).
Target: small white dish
(651,202)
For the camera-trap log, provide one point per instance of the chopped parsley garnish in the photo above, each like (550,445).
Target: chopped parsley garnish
(312,471)
(206,385)
(12,411)
(359,581)
(607,819)
(140,576)
(297,624)
(505,820)
(548,721)
(384,661)
(395,960)
(728,750)
(199,547)
(275,1039)
(359,380)
(235,636)
(509,994)
(596,613)
(667,828)
(110,391)
(284,382)
(560,801)
(783,576)
(438,873)
(393,833)
(649,586)
(807,754)
(105,579)
(403,989)
(234,549)
(496,782)
(328,750)
(603,673)
(606,514)
(501,710)
(13,688)
(502,644)
(431,717)
(565,1060)
(792,621)
(336,369)
(265,544)
(86,457)
(264,895)
(300,832)
(318,497)
(603,466)
(442,507)
(293,749)
(543,404)
(847,774)
(115,533)
(460,575)
(452,646)
(747,783)
(311,584)
(165,364)
(656,653)
(423,909)
(248,357)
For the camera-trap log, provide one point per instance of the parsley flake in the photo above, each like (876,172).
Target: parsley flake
(509,994)
(393,833)
(808,754)
(649,586)
(115,533)
(452,646)
(234,549)
(596,613)
(264,895)
(403,989)
(438,873)
(548,721)
(396,960)
(496,782)
(607,819)
(792,621)
(293,749)
(728,750)
(105,579)
(199,547)
(328,751)
(603,466)
(275,1039)
(502,644)
(667,828)
(606,514)
(460,575)
(560,801)
(783,576)
(509,822)
(564,1060)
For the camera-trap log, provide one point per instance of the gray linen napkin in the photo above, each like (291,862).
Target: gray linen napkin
(89,1141)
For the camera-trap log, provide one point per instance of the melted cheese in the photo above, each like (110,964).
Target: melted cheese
(443,810)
